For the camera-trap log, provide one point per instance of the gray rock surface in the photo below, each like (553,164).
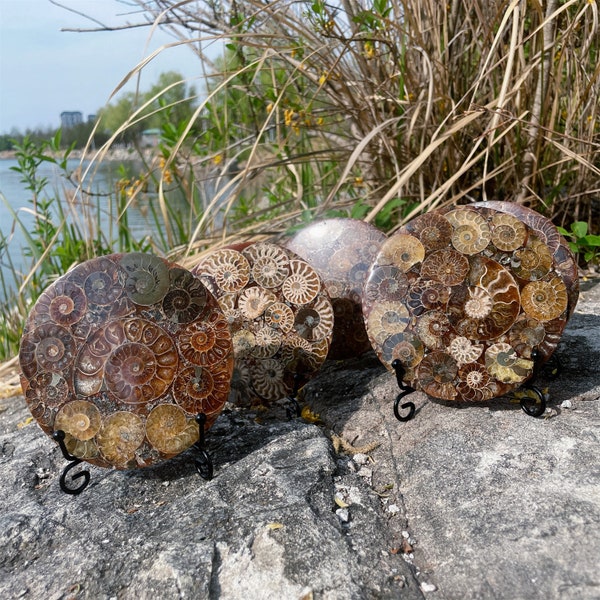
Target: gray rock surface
(476,501)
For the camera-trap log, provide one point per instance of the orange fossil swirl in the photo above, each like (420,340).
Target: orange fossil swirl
(508,233)
(471,232)
(64,303)
(488,304)
(79,418)
(121,434)
(433,328)
(545,300)
(206,342)
(170,430)
(134,359)
(402,251)
(475,383)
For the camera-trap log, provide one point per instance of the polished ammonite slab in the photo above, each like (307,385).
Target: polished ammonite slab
(342,251)
(279,313)
(463,296)
(121,353)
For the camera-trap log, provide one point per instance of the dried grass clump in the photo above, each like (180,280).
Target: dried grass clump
(411,104)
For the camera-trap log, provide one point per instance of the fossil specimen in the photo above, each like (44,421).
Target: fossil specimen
(462,297)
(121,354)
(341,251)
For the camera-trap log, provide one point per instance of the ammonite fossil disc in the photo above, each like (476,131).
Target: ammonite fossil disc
(121,354)
(279,313)
(463,296)
(342,251)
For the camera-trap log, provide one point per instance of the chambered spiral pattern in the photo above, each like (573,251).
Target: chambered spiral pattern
(279,313)
(463,296)
(121,354)
(341,251)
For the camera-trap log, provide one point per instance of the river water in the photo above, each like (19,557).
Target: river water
(15,197)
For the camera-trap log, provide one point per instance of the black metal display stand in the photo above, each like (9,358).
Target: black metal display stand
(534,406)
(59,437)
(203,461)
(405,391)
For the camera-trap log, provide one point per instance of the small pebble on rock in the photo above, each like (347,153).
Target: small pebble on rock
(343,514)
(361,459)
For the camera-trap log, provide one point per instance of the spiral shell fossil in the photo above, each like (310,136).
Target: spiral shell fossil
(465,306)
(402,251)
(508,233)
(113,341)
(433,230)
(545,300)
(303,284)
(471,233)
(281,299)
(341,251)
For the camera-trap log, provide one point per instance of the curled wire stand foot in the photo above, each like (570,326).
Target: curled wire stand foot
(532,400)
(293,409)
(203,462)
(66,476)
(534,407)
(406,389)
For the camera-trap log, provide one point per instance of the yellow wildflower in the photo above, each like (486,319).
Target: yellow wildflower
(310,416)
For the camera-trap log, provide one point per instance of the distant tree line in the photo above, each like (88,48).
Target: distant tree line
(170,100)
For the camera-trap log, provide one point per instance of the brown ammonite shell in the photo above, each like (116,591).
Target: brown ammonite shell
(121,354)
(463,296)
(279,313)
(341,250)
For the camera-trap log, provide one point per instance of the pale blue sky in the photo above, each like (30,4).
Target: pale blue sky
(44,71)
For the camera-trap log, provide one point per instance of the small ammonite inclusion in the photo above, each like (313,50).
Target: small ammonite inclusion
(467,297)
(279,313)
(121,354)
(341,250)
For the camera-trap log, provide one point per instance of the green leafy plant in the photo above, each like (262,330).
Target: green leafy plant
(581,242)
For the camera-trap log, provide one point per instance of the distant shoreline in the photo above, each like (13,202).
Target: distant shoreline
(113,154)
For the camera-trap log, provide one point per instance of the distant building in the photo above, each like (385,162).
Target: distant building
(150,138)
(92,118)
(70,119)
